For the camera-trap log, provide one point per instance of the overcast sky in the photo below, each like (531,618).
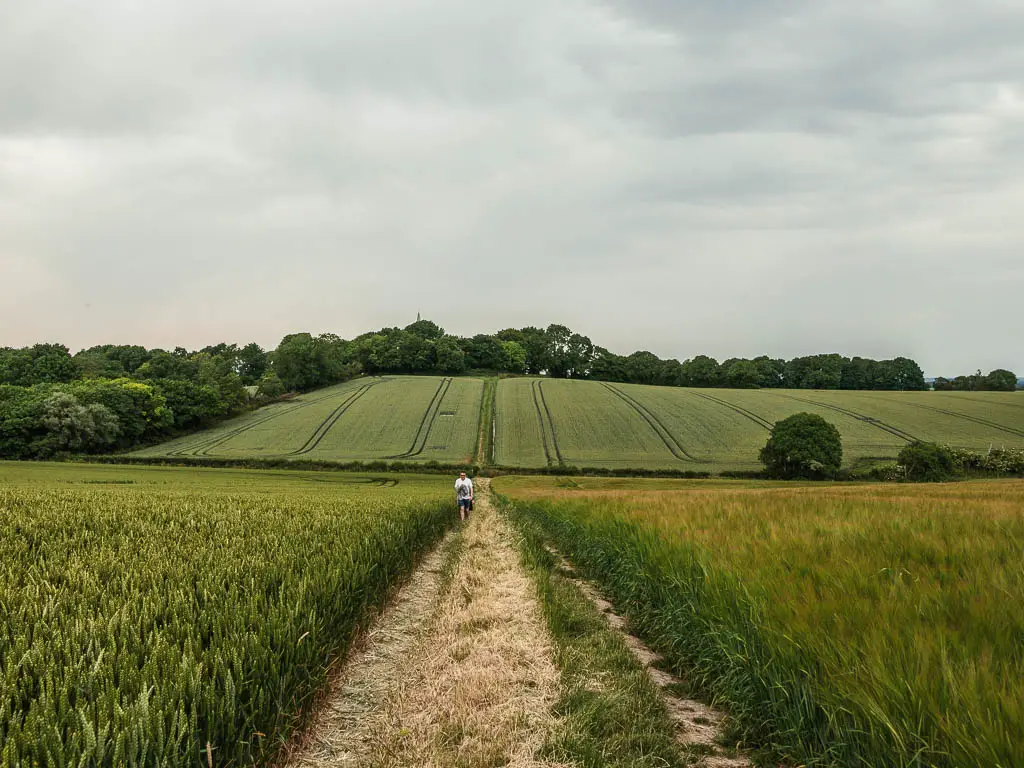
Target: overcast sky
(732,178)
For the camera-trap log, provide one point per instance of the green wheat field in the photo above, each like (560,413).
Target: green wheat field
(533,422)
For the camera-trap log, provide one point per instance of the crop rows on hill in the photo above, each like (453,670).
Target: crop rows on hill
(895,431)
(427,422)
(146,614)
(746,413)
(547,424)
(330,421)
(534,422)
(671,442)
(200,446)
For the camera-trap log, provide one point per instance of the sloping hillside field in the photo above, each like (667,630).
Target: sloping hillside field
(552,422)
(401,418)
(585,423)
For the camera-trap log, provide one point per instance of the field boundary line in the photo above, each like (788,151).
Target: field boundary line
(877,423)
(540,420)
(551,422)
(760,421)
(654,423)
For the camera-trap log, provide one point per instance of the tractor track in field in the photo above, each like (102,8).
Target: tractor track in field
(977,420)
(551,423)
(205,446)
(328,423)
(877,423)
(760,421)
(540,419)
(994,402)
(427,421)
(654,422)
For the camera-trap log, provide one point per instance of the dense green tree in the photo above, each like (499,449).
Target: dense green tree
(538,349)
(450,357)
(771,372)
(252,363)
(578,356)
(305,362)
(643,368)
(803,446)
(95,364)
(193,404)
(927,462)
(701,371)
(38,364)
(485,353)
(1001,380)
(510,334)
(814,372)
(21,421)
(515,354)
(899,374)
(168,365)
(73,427)
(270,386)
(425,329)
(743,374)
(607,366)
(140,408)
(671,373)
(858,373)
(557,337)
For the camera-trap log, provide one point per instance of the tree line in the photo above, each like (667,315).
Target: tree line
(303,361)
(116,397)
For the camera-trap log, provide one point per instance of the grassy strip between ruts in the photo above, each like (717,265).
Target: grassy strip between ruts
(610,712)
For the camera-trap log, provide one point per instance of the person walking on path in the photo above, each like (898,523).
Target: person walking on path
(464,495)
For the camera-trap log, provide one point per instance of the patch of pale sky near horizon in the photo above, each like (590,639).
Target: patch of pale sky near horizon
(735,178)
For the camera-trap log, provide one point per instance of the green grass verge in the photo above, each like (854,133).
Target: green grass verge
(610,713)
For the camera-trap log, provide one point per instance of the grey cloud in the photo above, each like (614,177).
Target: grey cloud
(730,178)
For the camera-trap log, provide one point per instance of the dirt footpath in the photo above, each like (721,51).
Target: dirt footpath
(463,678)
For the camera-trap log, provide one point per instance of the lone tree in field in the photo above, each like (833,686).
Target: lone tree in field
(803,446)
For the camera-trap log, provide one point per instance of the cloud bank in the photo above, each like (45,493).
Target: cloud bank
(736,178)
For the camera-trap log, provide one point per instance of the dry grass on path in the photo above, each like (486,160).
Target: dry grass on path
(340,735)
(479,690)
(460,677)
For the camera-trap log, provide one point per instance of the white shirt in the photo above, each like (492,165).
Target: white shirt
(464,488)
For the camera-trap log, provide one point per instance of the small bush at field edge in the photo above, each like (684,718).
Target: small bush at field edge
(927,463)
